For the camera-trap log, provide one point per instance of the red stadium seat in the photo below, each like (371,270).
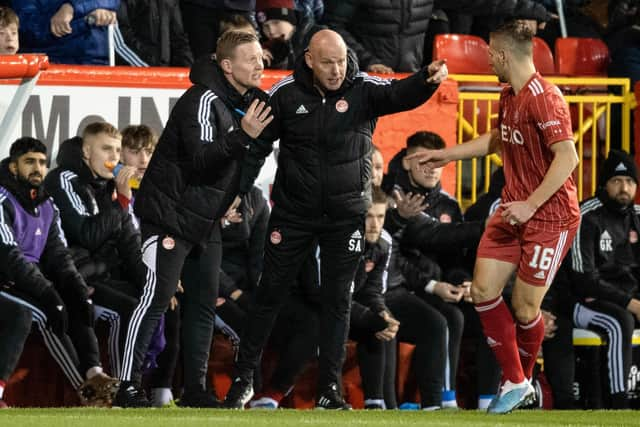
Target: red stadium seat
(465,54)
(542,57)
(577,56)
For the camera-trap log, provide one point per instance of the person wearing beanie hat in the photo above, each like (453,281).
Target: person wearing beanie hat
(278,10)
(618,163)
(286,30)
(602,280)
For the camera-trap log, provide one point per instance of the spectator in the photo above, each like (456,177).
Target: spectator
(243,248)
(202,20)
(313,9)
(9,23)
(287,32)
(389,37)
(236,22)
(604,269)
(15,325)
(42,276)
(153,29)
(68,32)
(320,193)
(420,295)
(101,234)
(407,179)
(623,40)
(181,202)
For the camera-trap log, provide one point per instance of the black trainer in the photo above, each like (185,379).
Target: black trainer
(239,394)
(199,399)
(332,399)
(131,396)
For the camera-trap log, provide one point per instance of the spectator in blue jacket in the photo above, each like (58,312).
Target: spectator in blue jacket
(68,31)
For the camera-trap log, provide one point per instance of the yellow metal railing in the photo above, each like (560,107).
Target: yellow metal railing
(481,93)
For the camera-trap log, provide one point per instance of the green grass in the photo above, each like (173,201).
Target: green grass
(175,417)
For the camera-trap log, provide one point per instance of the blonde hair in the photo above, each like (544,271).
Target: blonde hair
(97,128)
(228,42)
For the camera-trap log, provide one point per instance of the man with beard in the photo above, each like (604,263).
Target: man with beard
(603,276)
(37,271)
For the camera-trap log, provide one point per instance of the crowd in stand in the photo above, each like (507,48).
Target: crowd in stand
(71,250)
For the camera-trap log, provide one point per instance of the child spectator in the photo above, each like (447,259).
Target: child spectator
(9,23)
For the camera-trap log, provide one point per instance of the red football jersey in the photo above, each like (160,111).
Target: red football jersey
(529,123)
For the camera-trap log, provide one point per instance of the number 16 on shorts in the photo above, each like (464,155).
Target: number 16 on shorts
(542,257)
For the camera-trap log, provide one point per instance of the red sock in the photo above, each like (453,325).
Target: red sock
(529,337)
(500,330)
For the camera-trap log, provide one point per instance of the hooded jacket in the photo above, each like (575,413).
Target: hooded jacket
(324,163)
(32,245)
(194,173)
(101,236)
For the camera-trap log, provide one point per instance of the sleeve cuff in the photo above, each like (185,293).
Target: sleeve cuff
(430,286)
(123,201)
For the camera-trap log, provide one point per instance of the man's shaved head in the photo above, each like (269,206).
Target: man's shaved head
(327,58)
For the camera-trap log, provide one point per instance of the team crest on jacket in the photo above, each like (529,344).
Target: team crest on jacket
(168,243)
(369,266)
(342,106)
(445,217)
(276,237)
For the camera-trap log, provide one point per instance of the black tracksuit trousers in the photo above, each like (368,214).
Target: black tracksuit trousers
(289,242)
(168,259)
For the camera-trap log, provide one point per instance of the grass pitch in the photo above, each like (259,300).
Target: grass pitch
(176,417)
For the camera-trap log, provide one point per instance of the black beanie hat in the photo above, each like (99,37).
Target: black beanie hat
(618,163)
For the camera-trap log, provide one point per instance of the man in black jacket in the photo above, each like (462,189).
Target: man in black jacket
(101,233)
(389,36)
(37,272)
(325,116)
(603,278)
(191,182)
(371,323)
(153,30)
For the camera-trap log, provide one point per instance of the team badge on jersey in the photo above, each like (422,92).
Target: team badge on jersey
(342,106)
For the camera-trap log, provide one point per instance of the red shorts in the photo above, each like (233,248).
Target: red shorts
(538,254)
